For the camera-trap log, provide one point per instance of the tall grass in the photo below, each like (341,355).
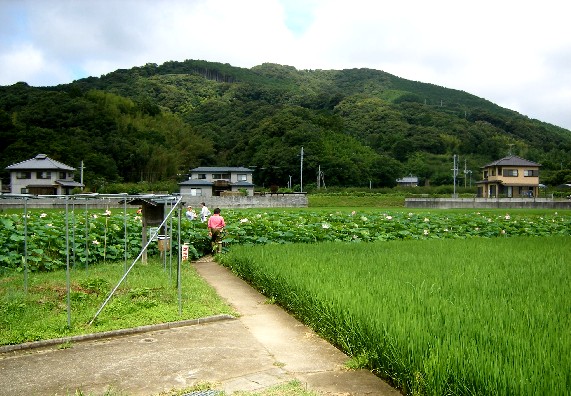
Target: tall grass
(463,317)
(149,295)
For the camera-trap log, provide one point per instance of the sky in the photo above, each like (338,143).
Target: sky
(515,53)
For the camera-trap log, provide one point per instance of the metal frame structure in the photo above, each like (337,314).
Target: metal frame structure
(172,205)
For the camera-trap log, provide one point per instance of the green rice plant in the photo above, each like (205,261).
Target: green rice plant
(435,316)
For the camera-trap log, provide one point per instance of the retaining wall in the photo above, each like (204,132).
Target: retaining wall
(487,203)
(291,200)
(257,201)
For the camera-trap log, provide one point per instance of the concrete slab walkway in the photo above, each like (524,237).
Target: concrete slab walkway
(296,348)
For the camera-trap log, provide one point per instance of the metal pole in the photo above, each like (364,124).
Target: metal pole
(301,172)
(73,231)
(169,243)
(81,175)
(465,173)
(86,238)
(125,227)
(166,234)
(67,275)
(454,175)
(26,245)
(179,275)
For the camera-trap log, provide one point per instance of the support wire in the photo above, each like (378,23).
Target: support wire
(135,261)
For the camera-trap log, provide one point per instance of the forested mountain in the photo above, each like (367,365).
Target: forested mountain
(360,126)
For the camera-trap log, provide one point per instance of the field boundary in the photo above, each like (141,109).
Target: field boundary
(256,201)
(487,203)
(114,333)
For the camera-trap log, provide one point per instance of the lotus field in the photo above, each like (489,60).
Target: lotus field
(98,236)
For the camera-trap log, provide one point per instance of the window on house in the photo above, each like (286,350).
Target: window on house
(493,171)
(485,174)
(510,173)
(242,177)
(531,173)
(44,175)
(221,176)
(62,175)
(196,192)
(201,176)
(23,175)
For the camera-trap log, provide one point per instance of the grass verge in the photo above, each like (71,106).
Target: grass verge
(149,295)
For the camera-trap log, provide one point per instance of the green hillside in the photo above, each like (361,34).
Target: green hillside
(361,127)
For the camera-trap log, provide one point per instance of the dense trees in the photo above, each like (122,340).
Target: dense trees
(360,127)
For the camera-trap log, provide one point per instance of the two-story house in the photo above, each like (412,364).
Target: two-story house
(510,177)
(216,180)
(42,175)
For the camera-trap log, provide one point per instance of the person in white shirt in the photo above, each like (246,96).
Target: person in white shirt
(204,212)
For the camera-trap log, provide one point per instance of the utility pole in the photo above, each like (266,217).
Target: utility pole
(320,178)
(301,172)
(81,174)
(454,173)
(465,172)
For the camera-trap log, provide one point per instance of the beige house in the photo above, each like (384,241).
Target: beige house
(42,175)
(509,177)
(216,181)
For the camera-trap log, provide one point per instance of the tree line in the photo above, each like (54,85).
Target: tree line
(361,127)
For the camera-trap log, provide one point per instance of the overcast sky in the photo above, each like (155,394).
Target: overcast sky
(516,53)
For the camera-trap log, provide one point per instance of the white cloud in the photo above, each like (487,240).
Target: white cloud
(514,53)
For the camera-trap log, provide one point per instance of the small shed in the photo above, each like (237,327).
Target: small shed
(153,215)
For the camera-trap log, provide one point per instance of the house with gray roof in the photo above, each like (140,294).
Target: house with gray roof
(42,175)
(215,181)
(408,181)
(509,177)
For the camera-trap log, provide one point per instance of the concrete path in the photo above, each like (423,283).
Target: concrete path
(263,347)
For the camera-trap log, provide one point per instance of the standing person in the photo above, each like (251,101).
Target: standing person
(204,212)
(190,213)
(215,226)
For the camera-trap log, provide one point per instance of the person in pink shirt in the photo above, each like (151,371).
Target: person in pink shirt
(215,226)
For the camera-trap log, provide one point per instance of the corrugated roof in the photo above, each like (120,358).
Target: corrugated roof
(221,169)
(512,160)
(196,182)
(69,183)
(243,184)
(40,162)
